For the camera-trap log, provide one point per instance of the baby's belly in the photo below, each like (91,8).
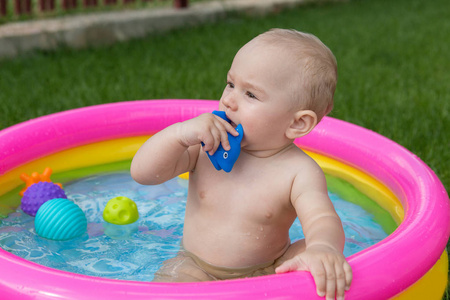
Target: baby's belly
(235,246)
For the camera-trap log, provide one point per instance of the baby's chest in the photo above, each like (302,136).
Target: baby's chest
(261,196)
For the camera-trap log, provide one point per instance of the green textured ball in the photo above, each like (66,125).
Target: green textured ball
(121,211)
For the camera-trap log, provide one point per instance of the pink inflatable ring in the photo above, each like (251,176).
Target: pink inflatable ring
(390,269)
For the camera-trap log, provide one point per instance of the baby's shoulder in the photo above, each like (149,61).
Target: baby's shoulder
(297,155)
(307,175)
(304,165)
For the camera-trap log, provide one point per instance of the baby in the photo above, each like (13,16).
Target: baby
(279,87)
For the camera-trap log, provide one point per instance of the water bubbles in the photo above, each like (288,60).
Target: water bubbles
(156,238)
(361,231)
(158,235)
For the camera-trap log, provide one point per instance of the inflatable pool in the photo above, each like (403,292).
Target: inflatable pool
(411,263)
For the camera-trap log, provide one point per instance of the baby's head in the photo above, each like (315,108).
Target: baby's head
(314,75)
(279,86)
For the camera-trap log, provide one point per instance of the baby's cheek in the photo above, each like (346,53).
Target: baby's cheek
(251,131)
(246,138)
(249,128)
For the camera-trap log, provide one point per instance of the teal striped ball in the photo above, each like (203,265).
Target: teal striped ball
(60,219)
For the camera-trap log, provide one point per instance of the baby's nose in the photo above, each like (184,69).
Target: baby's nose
(230,101)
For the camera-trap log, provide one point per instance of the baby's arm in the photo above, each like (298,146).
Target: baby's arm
(175,149)
(324,236)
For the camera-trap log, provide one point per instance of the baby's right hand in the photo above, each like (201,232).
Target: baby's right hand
(208,129)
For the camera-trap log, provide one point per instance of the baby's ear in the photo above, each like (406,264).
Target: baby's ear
(302,123)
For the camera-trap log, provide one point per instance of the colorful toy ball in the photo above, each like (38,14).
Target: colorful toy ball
(35,177)
(39,193)
(60,219)
(121,211)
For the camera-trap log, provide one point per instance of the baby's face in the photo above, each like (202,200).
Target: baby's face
(259,94)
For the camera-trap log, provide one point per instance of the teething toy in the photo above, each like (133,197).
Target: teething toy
(35,178)
(60,219)
(120,214)
(121,211)
(224,160)
(39,193)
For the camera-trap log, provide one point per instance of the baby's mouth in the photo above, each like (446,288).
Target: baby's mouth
(230,121)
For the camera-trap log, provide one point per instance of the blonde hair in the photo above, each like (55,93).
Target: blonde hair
(317,77)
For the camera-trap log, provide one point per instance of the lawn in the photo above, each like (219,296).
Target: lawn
(393,57)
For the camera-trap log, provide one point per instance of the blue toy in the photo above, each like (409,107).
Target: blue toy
(60,219)
(224,160)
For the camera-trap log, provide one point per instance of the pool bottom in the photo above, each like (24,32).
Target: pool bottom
(159,233)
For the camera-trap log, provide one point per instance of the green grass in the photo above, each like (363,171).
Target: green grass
(393,56)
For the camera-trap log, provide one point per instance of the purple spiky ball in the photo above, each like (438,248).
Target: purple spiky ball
(39,193)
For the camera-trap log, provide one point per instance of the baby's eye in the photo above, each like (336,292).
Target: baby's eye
(230,84)
(251,95)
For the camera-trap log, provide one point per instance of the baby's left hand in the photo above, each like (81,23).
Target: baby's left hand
(331,272)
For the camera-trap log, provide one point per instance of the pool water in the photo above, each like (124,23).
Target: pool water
(158,235)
